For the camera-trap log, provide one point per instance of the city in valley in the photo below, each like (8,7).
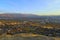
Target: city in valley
(45,26)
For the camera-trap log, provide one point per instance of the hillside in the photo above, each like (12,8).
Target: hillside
(24,37)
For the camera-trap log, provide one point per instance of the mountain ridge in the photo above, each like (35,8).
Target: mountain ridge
(23,16)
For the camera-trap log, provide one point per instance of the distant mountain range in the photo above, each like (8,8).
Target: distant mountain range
(27,16)
(17,16)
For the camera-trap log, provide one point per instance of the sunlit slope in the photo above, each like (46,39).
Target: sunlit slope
(24,37)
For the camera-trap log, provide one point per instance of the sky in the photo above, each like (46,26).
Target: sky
(40,7)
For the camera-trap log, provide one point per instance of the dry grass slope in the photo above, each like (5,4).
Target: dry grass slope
(24,37)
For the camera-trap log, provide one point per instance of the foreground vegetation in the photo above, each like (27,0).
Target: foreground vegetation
(22,37)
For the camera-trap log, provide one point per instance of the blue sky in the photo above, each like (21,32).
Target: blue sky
(40,7)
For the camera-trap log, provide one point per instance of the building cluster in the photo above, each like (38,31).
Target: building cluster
(15,27)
